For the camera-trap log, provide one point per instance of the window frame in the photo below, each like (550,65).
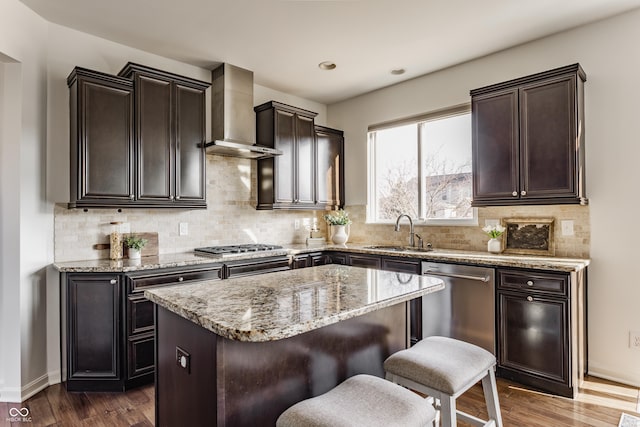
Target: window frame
(371,167)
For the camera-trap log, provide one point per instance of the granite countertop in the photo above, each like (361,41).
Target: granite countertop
(458,256)
(436,255)
(161,261)
(289,303)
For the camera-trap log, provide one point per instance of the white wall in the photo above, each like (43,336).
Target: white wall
(27,220)
(609,54)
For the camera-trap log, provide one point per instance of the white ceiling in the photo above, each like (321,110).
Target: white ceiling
(283,41)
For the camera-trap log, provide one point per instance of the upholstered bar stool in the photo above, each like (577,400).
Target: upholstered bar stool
(444,368)
(362,400)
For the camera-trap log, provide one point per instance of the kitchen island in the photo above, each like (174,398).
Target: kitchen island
(239,352)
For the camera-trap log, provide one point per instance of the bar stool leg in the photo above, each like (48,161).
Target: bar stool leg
(448,414)
(490,391)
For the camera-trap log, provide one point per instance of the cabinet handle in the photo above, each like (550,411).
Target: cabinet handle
(171,197)
(529,298)
(113,281)
(177,197)
(530,282)
(131,197)
(523,193)
(514,194)
(180,279)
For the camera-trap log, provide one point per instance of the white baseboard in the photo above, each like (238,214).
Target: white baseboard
(19,395)
(619,377)
(35,386)
(10,395)
(55,377)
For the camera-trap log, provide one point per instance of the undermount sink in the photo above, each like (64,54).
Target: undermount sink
(387,248)
(399,248)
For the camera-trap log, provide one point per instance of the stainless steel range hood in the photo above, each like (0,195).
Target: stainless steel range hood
(232,115)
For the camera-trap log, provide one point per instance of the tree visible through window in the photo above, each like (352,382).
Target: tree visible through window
(422,169)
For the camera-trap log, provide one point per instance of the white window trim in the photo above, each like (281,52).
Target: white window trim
(371,194)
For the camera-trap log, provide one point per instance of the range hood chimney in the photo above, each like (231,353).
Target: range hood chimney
(232,116)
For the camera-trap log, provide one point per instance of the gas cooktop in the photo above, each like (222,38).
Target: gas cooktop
(236,249)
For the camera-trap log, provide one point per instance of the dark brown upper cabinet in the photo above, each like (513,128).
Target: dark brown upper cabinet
(102,141)
(528,140)
(136,139)
(329,168)
(170,135)
(309,173)
(286,181)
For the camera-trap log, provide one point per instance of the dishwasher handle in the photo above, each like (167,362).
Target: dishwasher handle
(484,279)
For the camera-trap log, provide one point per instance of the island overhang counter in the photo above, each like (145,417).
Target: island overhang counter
(240,352)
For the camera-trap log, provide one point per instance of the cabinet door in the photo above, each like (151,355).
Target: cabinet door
(532,333)
(495,146)
(190,135)
(548,138)
(305,165)
(413,266)
(329,167)
(285,129)
(102,170)
(93,327)
(155,138)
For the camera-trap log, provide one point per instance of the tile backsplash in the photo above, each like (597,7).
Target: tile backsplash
(231,218)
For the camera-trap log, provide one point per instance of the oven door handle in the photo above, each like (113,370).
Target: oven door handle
(484,279)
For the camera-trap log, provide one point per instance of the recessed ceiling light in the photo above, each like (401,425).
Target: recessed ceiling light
(327,65)
(397,71)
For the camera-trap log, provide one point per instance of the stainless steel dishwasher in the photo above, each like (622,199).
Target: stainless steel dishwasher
(465,308)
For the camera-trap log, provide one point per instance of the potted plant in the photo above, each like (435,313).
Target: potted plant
(134,245)
(494,245)
(339,221)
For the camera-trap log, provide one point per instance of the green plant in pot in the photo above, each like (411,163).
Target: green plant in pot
(134,245)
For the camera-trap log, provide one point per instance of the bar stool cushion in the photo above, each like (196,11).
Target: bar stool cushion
(444,364)
(362,400)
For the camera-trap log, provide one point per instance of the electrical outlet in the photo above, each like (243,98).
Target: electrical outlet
(296,224)
(183,359)
(567,227)
(184,228)
(634,339)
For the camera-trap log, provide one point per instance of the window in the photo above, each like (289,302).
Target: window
(422,167)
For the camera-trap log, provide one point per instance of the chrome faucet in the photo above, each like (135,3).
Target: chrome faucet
(412,234)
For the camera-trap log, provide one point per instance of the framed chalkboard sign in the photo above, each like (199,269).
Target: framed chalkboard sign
(529,236)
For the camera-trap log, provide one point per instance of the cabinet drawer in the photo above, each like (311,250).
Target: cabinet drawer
(139,315)
(141,358)
(556,284)
(251,267)
(140,281)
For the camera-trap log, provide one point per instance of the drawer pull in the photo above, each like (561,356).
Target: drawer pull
(514,194)
(113,281)
(529,298)
(530,282)
(180,279)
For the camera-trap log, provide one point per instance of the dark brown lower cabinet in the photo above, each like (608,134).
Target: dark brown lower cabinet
(108,324)
(541,336)
(92,327)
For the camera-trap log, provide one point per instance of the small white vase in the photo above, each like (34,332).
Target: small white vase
(133,253)
(339,236)
(494,246)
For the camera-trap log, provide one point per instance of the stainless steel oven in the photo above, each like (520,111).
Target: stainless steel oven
(465,309)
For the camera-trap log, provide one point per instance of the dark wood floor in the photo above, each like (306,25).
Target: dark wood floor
(600,404)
